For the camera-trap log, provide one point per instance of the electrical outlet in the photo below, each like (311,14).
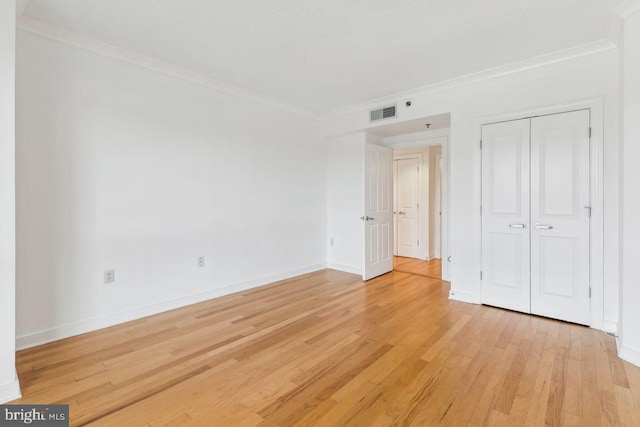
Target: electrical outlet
(201,261)
(109,276)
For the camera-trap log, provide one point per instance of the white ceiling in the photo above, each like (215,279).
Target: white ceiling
(322,55)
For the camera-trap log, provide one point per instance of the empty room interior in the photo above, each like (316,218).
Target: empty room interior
(361,213)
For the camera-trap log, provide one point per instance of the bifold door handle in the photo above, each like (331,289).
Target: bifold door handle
(543,226)
(402,213)
(367,218)
(518,225)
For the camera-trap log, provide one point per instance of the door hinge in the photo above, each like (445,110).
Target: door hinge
(418,169)
(589,132)
(481,144)
(480,209)
(588,208)
(589,291)
(480,275)
(418,242)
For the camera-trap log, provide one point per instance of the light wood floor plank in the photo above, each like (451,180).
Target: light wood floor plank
(327,349)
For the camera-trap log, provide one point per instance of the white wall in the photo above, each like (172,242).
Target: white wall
(121,167)
(9,387)
(630,212)
(345,202)
(581,77)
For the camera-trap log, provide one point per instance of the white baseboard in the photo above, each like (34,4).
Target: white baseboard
(610,326)
(629,354)
(10,391)
(88,325)
(345,268)
(463,297)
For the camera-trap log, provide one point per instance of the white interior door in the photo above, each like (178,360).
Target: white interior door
(560,211)
(437,207)
(407,212)
(395,207)
(377,217)
(505,215)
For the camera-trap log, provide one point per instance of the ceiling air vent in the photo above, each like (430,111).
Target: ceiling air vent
(383,113)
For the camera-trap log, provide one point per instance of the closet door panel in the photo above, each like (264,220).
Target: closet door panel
(505,215)
(560,216)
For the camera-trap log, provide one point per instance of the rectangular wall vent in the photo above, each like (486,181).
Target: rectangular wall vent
(383,113)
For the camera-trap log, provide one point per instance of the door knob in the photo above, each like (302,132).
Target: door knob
(518,225)
(543,226)
(367,218)
(402,213)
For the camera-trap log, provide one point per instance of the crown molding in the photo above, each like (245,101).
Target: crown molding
(626,9)
(500,71)
(61,35)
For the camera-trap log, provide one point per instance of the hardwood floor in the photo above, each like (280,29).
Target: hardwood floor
(327,349)
(421,267)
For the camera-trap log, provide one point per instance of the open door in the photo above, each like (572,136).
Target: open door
(378,257)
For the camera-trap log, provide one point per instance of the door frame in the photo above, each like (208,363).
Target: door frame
(596,226)
(445,237)
(437,223)
(421,197)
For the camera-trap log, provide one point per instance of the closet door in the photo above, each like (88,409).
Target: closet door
(560,216)
(505,215)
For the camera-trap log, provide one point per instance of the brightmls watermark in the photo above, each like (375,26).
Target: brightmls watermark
(34,415)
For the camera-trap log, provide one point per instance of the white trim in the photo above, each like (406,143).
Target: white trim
(344,268)
(500,71)
(629,354)
(88,325)
(595,105)
(437,221)
(61,35)
(610,326)
(10,391)
(467,297)
(626,9)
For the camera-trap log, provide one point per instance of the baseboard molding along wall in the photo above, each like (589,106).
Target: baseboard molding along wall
(89,325)
(344,268)
(10,391)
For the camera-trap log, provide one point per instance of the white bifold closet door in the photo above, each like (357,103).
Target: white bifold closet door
(505,215)
(535,215)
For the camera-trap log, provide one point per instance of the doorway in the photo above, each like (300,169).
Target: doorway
(417,200)
(417,151)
